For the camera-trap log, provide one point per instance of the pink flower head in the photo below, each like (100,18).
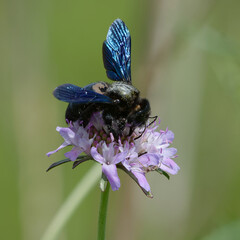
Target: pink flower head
(145,150)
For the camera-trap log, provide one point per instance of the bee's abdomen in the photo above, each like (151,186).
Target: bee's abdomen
(72,112)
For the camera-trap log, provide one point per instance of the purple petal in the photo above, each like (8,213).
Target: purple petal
(169,152)
(111,173)
(108,152)
(73,154)
(126,164)
(142,180)
(95,154)
(97,120)
(67,134)
(149,159)
(119,157)
(168,165)
(62,146)
(168,136)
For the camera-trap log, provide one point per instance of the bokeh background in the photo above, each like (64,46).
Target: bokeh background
(185,59)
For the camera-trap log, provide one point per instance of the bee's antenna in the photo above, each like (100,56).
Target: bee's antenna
(154,120)
(141,133)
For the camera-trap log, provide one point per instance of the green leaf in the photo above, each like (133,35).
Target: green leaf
(58,163)
(81,160)
(163,173)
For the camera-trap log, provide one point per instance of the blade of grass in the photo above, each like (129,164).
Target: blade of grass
(76,197)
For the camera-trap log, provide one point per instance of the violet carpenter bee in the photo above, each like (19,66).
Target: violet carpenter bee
(119,102)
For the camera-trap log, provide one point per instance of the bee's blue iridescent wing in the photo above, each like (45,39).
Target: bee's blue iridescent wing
(117,52)
(74,94)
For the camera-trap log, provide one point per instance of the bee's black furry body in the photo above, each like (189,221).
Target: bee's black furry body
(127,108)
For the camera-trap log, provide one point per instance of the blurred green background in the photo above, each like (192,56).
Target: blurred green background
(185,59)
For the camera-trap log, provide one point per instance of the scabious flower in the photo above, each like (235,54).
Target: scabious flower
(146,149)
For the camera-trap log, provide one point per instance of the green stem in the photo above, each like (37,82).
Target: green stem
(103,213)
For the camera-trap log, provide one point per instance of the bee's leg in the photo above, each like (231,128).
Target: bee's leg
(113,123)
(109,121)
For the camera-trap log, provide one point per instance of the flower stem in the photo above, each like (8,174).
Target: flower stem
(103,213)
